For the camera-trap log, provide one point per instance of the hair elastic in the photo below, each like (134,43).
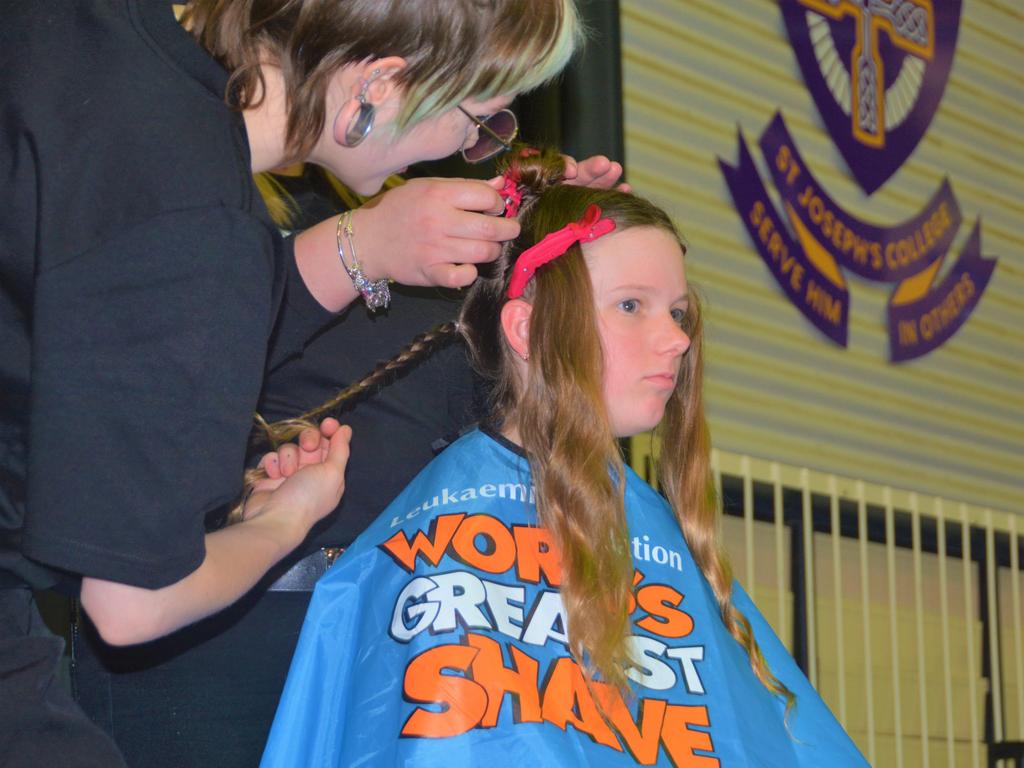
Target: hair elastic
(587,229)
(511,192)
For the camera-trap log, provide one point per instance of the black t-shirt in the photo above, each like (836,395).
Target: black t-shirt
(140,279)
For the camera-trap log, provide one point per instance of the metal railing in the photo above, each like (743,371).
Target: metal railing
(903,609)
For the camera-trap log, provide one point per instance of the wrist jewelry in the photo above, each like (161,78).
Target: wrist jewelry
(374,292)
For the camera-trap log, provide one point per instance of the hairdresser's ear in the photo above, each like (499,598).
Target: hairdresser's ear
(515,324)
(380,74)
(377,77)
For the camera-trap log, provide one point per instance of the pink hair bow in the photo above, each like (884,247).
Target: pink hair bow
(589,228)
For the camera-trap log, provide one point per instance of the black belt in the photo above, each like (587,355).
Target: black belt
(303,576)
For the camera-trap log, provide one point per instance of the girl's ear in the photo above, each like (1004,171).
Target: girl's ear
(374,85)
(515,324)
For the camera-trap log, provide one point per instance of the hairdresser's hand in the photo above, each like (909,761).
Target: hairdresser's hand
(237,556)
(598,172)
(311,447)
(305,480)
(432,231)
(424,232)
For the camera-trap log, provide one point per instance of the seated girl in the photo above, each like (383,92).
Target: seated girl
(528,599)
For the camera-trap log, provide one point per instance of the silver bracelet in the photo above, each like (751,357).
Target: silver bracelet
(375,293)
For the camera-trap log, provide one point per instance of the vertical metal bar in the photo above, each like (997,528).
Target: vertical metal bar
(1017,646)
(716,475)
(748,524)
(894,636)
(780,549)
(837,594)
(922,667)
(869,672)
(947,666)
(972,672)
(996,667)
(812,646)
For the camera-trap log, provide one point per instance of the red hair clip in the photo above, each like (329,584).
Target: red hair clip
(589,228)
(511,193)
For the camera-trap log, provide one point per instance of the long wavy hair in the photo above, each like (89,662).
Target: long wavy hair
(559,411)
(454,49)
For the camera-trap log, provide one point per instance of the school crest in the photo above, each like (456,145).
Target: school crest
(876,70)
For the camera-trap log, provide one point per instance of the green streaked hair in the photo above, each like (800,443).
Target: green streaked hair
(454,49)
(530,43)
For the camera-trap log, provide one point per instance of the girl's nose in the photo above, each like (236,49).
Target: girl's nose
(677,341)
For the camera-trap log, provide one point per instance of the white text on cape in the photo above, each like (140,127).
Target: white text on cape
(514,491)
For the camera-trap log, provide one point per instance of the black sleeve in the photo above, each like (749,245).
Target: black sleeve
(147,358)
(300,317)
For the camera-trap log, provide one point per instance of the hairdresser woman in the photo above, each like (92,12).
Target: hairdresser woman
(143,289)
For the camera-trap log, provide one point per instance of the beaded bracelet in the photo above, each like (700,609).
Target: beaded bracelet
(375,293)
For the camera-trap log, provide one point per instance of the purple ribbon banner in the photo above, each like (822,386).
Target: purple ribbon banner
(917,327)
(885,254)
(822,302)
(807,267)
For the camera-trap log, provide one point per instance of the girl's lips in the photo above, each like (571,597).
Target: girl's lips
(663,380)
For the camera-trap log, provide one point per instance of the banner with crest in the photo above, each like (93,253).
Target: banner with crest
(876,70)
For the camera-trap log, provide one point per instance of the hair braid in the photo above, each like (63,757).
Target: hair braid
(420,348)
(384,373)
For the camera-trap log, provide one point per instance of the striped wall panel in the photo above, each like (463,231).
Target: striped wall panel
(949,423)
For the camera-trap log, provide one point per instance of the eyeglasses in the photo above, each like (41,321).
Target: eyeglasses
(496,134)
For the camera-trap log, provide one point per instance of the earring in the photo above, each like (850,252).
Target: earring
(362,123)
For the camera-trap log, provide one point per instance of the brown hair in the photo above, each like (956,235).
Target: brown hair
(560,417)
(455,49)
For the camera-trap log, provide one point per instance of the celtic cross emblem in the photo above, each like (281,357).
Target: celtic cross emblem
(909,25)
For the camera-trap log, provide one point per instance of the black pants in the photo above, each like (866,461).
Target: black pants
(204,697)
(40,725)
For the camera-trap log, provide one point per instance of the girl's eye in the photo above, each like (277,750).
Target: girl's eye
(679,315)
(629,306)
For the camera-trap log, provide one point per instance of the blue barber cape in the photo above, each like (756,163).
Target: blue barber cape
(438,639)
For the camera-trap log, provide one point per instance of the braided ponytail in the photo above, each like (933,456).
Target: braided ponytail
(278,432)
(419,349)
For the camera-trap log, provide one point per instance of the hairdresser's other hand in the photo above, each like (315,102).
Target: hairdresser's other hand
(236,556)
(432,231)
(598,172)
(305,481)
